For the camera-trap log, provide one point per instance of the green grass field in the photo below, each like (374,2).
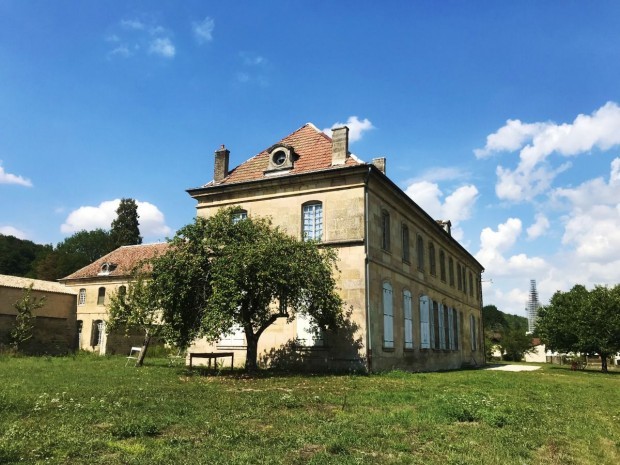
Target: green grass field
(93,410)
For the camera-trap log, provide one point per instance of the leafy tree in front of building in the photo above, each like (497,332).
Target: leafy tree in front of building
(23,328)
(219,274)
(582,321)
(125,228)
(507,333)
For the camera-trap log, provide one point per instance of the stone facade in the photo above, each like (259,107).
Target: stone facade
(55,330)
(414,292)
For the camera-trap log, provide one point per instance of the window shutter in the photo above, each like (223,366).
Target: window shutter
(425,342)
(431,323)
(94,333)
(388,317)
(451,328)
(442,331)
(408,317)
(472,331)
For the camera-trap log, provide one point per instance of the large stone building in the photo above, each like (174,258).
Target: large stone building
(54,329)
(414,291)
(94,284)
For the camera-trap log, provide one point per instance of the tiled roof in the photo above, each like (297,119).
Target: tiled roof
(37,284)
(312,146)
(123,259)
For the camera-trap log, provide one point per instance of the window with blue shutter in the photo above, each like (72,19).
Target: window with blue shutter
(388,317)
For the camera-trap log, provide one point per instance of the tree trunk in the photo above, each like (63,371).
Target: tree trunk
(604,363)
(251,354)
(145,346)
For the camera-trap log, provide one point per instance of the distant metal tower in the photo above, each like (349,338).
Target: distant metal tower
(532,307)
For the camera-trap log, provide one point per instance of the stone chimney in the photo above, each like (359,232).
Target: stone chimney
(380,163)
(220,170)
(446,225)
(340,145)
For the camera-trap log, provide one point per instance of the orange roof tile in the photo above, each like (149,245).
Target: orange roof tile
(124,258)
(312,146)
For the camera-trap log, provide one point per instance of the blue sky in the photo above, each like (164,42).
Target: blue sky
(501,116)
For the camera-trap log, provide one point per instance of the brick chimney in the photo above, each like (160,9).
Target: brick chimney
(340,145)
(380,163)
(220,170)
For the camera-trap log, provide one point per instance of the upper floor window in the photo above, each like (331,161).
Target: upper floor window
(385,230)
(431,259)
(442,265)
(471,284)
(459,277)
(420,251)
(405,237)
(238,216)
(82,297)
(101,296)
(451,271)
(313,221)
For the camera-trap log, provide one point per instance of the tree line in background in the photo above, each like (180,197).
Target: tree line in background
(506,333)
(24,258)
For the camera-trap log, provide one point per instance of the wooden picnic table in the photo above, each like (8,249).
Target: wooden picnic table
(212,356)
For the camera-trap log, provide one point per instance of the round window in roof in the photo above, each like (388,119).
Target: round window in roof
(279,157)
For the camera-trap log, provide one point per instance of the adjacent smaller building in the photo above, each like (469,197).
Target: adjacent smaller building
(94,284)
(55,330)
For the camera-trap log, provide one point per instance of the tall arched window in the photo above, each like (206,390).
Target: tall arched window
(431,259)
(82,297)
(425,333)
(385,230)
(442,265)
(388,317)
(408,319)
(405,242)
(451,271)
(420,250)
(101,296)
(312,221)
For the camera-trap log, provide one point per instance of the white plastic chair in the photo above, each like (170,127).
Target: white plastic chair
(134,353)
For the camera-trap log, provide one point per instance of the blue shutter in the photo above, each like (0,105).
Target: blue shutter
(425,342)
(388,317)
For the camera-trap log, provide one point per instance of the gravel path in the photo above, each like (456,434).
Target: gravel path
(514,367)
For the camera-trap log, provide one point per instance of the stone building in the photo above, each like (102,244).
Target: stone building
(94,284)
(414,291)
(55,330)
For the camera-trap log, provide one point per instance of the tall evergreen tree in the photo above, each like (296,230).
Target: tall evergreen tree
(125,229)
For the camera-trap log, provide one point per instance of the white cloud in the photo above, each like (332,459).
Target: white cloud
(162,46)
(539,227)
(151,219)
(252,59)
(440,173)
(12,231)
(133,24)
(357,127)
(203,30)
(457,207)
(537,141)
(8,178)
(121,50)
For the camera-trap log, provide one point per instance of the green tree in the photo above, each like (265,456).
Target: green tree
(18,257)
(24,320)
(515,343)
(125,228)
(507,333)
(75,252)
(218,274)
(582,321)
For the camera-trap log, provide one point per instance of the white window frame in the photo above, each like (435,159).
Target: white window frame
(82,297)
(408,319)
(312,221)
(308,333)
(238,216)
(235,338)
(388,316)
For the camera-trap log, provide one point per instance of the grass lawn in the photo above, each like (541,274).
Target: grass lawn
(93,410)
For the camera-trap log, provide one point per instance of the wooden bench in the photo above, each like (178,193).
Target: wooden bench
(212,356)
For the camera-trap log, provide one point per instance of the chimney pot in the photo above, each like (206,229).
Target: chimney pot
(340,145)
(380,163)
(220,170)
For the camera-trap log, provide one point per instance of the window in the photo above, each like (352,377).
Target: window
(405,242)
(472,332)
(238,216)
(313,221)
(433,324)
(235,338)
(459,283)
(431,259)
(457,328)
(388,317)
(441,327)
(96,334)
(450,328)
(101,296)
(442,265)
(471,284)
(408,319)
(308,333)
(451,271)
(420,250)
(82,297)
(122,291)
(425,340)
(385,230)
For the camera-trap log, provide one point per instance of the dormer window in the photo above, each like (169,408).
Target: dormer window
(281,158)
(106,269)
